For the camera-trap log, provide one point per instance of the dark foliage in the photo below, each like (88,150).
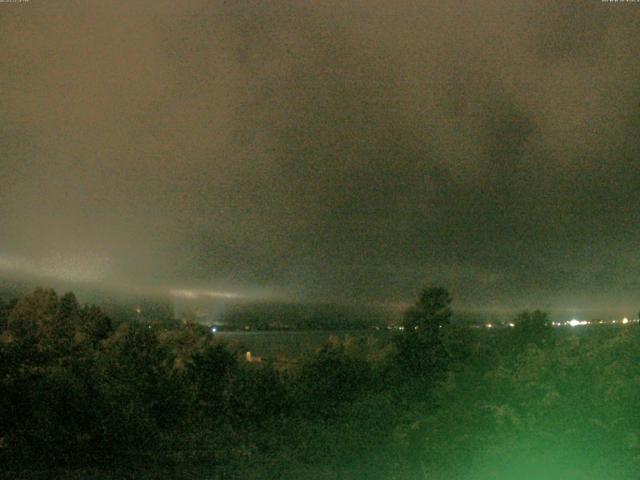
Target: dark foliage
(81,400)
(420,349)
(532,327)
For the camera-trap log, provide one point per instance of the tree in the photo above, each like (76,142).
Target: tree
(69,307)
(140,394)
(420,348)
(332,378)
(95,326)
(34,316)
(208,371)
(532,327)
(4,315)
(431,312)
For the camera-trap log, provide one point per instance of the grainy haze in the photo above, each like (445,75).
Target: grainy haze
(346,151)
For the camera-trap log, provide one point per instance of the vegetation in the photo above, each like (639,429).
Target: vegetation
(82,399)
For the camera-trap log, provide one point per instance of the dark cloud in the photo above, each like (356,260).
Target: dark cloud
(327,150)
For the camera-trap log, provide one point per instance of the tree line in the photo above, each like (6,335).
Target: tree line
(80,394)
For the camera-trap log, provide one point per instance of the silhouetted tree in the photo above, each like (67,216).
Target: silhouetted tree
(431,311)
(94,326)
(420,348)
(332,377)
(532,327)
(209,371)
(140,394)
(254,394)
(32,321)
(4,315)
(69,307)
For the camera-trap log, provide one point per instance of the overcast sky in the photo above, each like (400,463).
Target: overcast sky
(337,151)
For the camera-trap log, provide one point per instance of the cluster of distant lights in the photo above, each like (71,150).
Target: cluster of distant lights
(570,323)
(577,323)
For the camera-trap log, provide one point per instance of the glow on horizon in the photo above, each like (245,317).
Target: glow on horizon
(81,268)
(203,293)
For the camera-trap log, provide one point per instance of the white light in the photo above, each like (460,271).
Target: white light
(214,329)
(625,320)
(574,323)
(511,325)
(489,325)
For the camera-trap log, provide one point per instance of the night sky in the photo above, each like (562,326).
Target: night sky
(334,151)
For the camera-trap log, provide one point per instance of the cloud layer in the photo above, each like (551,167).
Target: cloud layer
(328,150)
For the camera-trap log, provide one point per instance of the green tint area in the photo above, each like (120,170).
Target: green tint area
(554,459)
(564,409)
